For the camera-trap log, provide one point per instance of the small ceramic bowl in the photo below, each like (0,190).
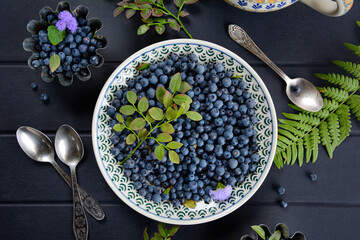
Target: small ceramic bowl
(30,44)
(284,230)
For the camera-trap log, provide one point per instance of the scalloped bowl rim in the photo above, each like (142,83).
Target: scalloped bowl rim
(247,196)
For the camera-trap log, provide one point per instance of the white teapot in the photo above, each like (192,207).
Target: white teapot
(327,7)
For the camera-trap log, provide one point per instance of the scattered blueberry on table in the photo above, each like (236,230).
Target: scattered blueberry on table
(280,190)
(44,97)
(220,148)
(33,85)
(283,204)
(313,177)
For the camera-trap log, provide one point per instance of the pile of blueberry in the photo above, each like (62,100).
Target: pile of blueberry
(221,148)
(76,51)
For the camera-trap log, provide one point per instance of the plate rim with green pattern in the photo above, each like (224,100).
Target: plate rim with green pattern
(164,211)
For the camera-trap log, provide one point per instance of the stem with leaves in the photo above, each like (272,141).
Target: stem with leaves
(163,234)
(154,13)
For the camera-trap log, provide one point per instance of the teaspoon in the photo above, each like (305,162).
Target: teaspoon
(299,90)
(70,151)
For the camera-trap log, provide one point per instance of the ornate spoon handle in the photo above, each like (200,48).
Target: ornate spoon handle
(91,205)
(80,224)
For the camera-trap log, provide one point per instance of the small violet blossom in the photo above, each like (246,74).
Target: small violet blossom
(66,21)
(221,194)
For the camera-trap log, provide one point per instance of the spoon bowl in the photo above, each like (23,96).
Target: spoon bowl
(35,144)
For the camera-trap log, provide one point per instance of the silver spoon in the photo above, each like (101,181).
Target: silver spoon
(40,148)
(299,90)
(70,151)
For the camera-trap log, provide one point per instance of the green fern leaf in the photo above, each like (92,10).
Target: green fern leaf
(315,140)
(343,113)
(278,159)
(303,118)
(292,129)
(350,67)
(335,93)
(300,146)
(295,124)
(358,23)
(307,145)
(330,104)
(287,134)
(354,48)
(345,82)
(294,153)
(323,113)
(334,129)
(325,138)
(354,104)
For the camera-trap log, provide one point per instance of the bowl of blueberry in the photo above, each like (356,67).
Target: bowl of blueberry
(184,131)
(64,43)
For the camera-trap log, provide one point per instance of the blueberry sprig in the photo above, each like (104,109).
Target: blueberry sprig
(141,127)
(163,234)
(157,9)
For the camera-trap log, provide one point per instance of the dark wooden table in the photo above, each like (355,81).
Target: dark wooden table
(35,203)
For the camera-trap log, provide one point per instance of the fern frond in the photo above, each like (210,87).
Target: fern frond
(325,138)
(343,113)
(354,48)
(323,113)
(334,129)
(300,151)
(335,93)
(295,124)
(354,104)
(302,118)
(350,67)
(345,82)
(315,140)
(330,104)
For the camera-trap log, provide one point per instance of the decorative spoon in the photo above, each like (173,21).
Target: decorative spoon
(299,90)
(40,148)
(70,151)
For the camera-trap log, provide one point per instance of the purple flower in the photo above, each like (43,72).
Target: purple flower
(221,194)
(65,16)
(72,25)
(61,25)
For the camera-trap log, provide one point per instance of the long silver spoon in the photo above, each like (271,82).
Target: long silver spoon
(40,148)
(70,151)
(299,90)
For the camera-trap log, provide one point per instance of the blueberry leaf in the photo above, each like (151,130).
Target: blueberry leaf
(162,229)
(142,29)
(167,128)
(190,203)
(220,185)
(195,116)
(156,113)
(129,13)
(166,191)
(145,234)
(55,35)
(182,98)
(149,118)
(142,133)
(160,20)
(127,110)
(160,92)
(159,152)
(276,235)
(168,99)
(131,97)
(184,14)
(178,2)
(146,13)
(173,230)
(157,236)
(174,25)
(164,137)
(54,62)
(130,139)
(143,104)
(157,12)
(174,157)
(118,11)
(170,114)
(118,127)
(120,118)
(259,231)
(174,145)
(188,2)
(184,87)
(175,82)
(160,28)
(142,66)
(137,124)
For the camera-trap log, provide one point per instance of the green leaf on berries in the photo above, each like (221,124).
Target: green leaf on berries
(276,235)
(142,29)
(157,12)
(118,127)
(184,87)
(160,92)
(131,97)
(146,13)
(259,231)
(178,2)
(142,66)
(162,229)
(145,234)
(159,152)
(184,14)
(142,133)
(118,11)
(160,20)
(160,28)
(157,236)
(220,185)
(182,98)
(174,157)
(167,128)
(128,121)
(156,113)
(175,82)
(55,35)
(173,230)
(167,191)
(127,110)
(137,124)
(174,25)
(170,114)
(174,145)
(120,118)
(149,118)
(183,109)
(168,99)
(195,116)
(129,13)
(190,203)
(130,139)
(143,104)
(164,137)
(54,62)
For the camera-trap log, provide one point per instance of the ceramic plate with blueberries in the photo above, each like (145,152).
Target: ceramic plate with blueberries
(184,131)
